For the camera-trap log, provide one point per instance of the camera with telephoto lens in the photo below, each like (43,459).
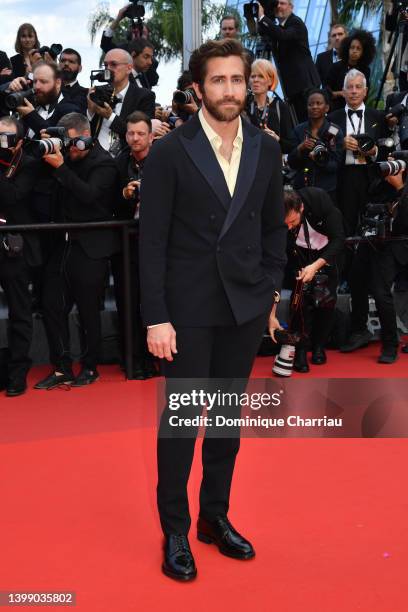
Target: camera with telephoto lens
(390,168)
(103,93)
(323,145)
(283,364)
(8,140)
(14,99)
(54,50)
(365,142)
(183,97)
(318,293)
(376,220)
(57,140)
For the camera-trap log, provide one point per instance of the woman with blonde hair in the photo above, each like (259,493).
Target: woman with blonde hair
(26,42)
(264,108)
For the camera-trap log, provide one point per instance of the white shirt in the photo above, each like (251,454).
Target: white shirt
(351,129)
(106,136)
(45,113)
(317,241)
(229,168)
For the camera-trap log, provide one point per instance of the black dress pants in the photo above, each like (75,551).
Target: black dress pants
(73,277)
(373,271)
(210,353)
(14,279)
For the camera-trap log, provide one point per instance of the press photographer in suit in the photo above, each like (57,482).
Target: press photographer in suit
(18,253)
(326,59)
(290,48)
(108,122)
(212,250)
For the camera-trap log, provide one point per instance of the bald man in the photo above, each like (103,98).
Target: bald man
(108,121)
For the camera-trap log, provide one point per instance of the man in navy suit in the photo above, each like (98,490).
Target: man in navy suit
(212,249)
(325,60)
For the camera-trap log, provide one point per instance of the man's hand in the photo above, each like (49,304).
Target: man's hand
(161,341)
(18,84)
(129,191)
(26,109)
(261,11)
(54,159)
(160,130)
(104,111)
(392,121)
(120,16)
(350,143)
(307,273)
(5,71)
(273,325)
(396,181)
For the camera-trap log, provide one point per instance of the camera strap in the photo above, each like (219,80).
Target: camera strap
(350,116)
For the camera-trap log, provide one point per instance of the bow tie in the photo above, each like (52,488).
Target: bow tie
(359,113)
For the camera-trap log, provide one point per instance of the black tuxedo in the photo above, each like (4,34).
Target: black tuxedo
(209,265)
(136,98)
(290,48)
(394,98)
(4,63)
(76,270)
(15,201)
(35,122)
(77,95)
(17,65)
(324,62)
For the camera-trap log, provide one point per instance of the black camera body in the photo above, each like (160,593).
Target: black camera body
(137,10)
(185,96)
(54,50)
(103,93)
(14,99)
(323,146)
(376,220)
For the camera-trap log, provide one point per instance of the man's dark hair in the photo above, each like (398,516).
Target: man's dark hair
(292,201)
(56,71)
(234,18)
(216,48)
(138,116)
(75,121)
(136,46)
(337,25)
(184,80)
(366,40)
(8,120)
(69,51)
(321,92)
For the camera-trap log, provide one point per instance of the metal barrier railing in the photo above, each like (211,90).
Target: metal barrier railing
(127,227)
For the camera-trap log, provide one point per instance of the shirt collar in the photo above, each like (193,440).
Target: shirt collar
(212,135)
(361,107)
(122,93)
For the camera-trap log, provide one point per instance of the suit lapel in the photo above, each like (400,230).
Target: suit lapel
(251,147)
(202,155)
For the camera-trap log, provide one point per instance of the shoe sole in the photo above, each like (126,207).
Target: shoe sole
(67,382)
(178,577)
(15,394)
(209,540)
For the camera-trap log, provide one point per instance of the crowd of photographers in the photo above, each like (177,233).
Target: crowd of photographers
(69,154)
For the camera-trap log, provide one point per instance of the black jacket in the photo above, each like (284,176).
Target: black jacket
(4,63)
(290,47)
(279,120)
(77,95)
(206,258)
(324,217)
(136,98)
(35,122)
(400,228)
(86,191)
(316,175)
(125,209)
(15,204)
(324,62)
(17,65)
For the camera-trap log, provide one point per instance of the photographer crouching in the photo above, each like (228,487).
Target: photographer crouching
(18,253)
(379,257)
(317,240)
(85,181)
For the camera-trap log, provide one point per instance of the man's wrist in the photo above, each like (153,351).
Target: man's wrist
(157,325)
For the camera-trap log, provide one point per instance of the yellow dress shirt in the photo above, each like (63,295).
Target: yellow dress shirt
(229,168)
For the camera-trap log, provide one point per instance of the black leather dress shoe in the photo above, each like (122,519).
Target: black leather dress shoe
(404,348)
(300,364)
(222,533)
(357,340)
(318,356)
(178,558)
(388,355)
(150,369)
(85,377)
(54,380)
(16,387)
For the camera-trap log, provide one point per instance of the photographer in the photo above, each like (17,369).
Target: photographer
(290,47)
(326,59)
(85,186)
(375,267)
(130,163)
(145,67)
(317,239)
(48,104)
(108,120)
(18,253)
(319,146)
(272,116)
(70,66)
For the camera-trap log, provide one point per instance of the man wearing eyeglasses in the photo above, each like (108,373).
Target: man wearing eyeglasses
(108,122)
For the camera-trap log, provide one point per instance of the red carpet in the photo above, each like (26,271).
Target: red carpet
(327,517)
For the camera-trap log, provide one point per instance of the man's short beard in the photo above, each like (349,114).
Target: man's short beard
(47,98)
(220,113)
(68,76)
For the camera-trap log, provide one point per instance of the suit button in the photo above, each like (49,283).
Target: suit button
(212,217)
(252,215)
(249,249)
(218,249)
